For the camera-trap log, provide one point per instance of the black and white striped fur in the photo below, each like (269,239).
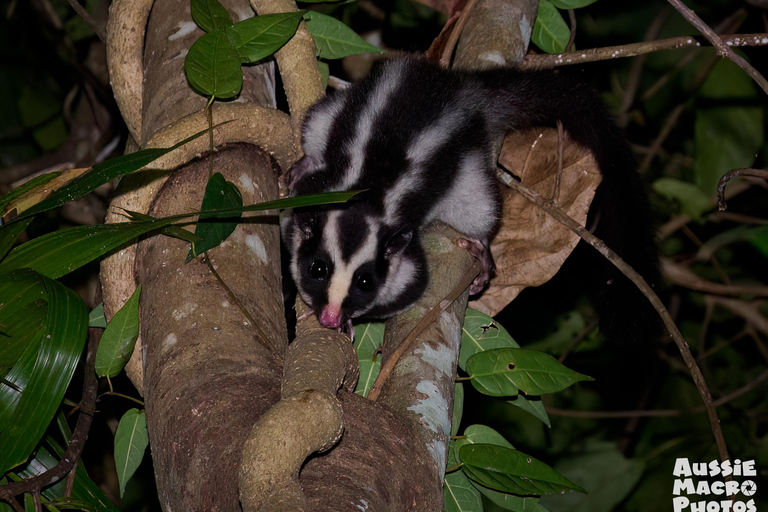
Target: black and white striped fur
(421,140)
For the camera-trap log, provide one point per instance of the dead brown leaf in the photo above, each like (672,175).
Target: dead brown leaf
(530,246)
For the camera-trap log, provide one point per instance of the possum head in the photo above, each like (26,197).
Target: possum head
(346,264)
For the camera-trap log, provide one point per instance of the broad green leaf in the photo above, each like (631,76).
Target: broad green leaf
(35,182)
(550,32)
(213,66)
(571,4)
(23,309)
(368,338)
(510,501)
(60,252)
(96,317)
(119,338)
(101,174)
(219,193)
(503,371)
(335,40)
(259,37)
(131,441)
(85,495)
(508,470)
(210,15)
(40,377)
(459,495)
(693,201)
(172,231)
(481,333)
(756,235)
(481,434)
(606,474)
(458,407)
(9,233)
(532,406)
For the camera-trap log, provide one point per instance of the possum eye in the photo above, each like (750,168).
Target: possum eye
(364,282)
(318,270)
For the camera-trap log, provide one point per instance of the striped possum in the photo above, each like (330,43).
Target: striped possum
(421,141)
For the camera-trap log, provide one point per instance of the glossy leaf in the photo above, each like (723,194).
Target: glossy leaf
(119,338)
(458,407)
(481,333)
(213,66)
(368,338)
(693,201)
(23,309)
(571,4)
(13,195)
(101,174)
(219,194)
(85,495)
(131,440)
(9,233)
(96,317)
(259,37)
(508,470)
(502,372)
(550,32)
(60,252)
(210,15)
(41,375)
(459,495)
(510,501)
(335,40)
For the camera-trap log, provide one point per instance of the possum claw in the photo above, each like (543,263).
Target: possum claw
(482,251)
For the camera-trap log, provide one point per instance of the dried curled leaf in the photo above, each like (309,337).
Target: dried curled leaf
(530,246)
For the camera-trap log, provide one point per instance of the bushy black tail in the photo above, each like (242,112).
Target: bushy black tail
(532,99)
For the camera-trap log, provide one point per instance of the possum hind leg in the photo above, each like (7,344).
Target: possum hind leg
(480,250)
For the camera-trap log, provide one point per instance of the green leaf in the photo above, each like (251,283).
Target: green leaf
(101,174)
(480,434)
(22,314)
(726,138)
(85,495)
(510,501)
(481,333)
(210,15)
(60,252)
(119,338)
(41,375)
(213,66)
(502,372)
(325,72)
(693,201)
(459,495)
(335,40)
(131,441)
(508,470)
(532,406)
(550,32)
(571,4)
(605,473)
(219,193)
(458,407)
(96,317)
(9,233)
(756,235)
(368,338)
(26,187)
(259,37)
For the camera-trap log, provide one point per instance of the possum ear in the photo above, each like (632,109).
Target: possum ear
(304,166)
(397,243)
(305,221)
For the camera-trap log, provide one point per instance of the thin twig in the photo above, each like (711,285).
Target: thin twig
(453,39)
(426,320)
(659,413)
(722,48)
(756,173)
(572,37)
(79,435)
(99,29)
(551,61)
(682,276)
(631,274)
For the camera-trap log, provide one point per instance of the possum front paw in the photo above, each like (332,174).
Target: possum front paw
(482,251)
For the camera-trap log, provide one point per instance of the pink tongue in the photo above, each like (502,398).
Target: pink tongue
(330,317)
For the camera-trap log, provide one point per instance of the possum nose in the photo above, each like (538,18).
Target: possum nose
(330,317)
